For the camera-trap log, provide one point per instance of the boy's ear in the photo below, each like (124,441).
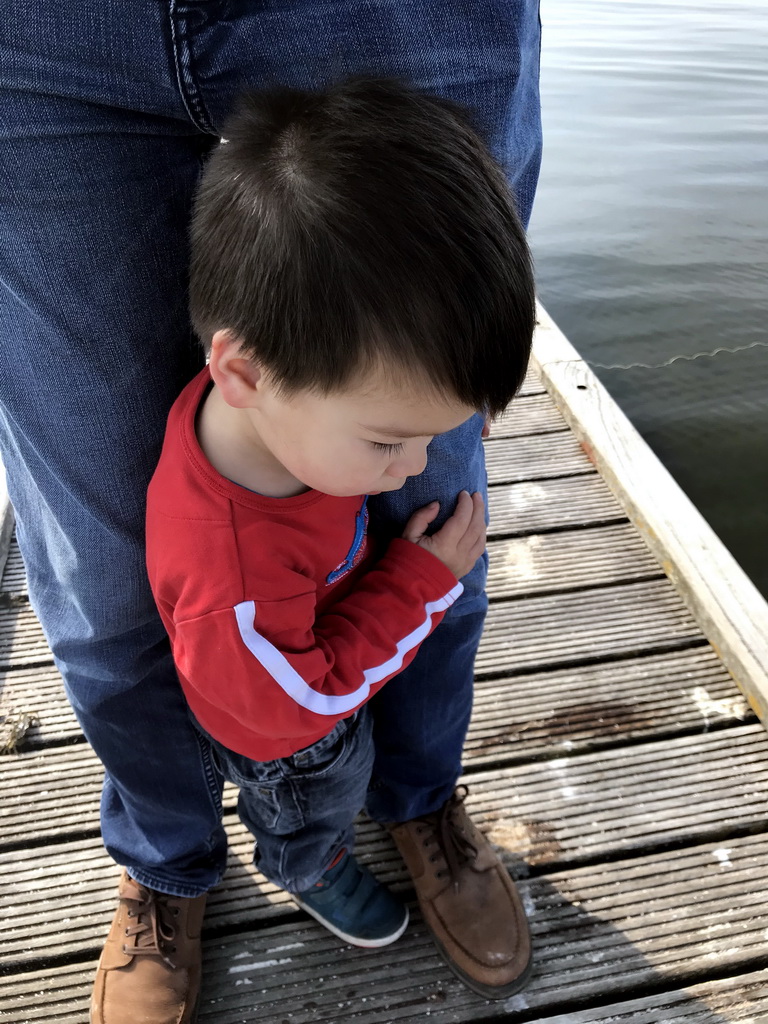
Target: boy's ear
(237,377)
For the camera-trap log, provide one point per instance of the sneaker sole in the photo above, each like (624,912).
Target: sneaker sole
(355,940)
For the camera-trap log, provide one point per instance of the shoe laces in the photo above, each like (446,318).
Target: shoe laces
(153,926)
(452,839)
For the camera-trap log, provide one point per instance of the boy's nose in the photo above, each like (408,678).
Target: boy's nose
(408,465)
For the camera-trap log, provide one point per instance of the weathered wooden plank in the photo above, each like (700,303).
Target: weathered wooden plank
(39,693)
(532,385)
(732,612)
(742,999)
(533,414)
(598,805)
(537,505)
(560,628)
(595,806)
(567,560)
(48,794)
(6,520)
(62,994)
(14,578)
(571,710)
(599,932)
(534,457)
(21,638)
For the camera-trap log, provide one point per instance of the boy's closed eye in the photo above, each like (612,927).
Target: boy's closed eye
(390,449)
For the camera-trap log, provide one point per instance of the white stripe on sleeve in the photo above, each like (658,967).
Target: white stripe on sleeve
(292,684)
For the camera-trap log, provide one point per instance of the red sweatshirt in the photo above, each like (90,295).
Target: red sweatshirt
(282,618)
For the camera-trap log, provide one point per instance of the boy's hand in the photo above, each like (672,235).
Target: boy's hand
(461,539)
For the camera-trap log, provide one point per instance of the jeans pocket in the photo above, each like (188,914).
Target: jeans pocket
(327,754)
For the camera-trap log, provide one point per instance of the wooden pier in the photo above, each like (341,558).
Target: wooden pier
(612,760)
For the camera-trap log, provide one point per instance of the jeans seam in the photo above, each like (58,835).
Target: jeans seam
(185,78)
(210,777)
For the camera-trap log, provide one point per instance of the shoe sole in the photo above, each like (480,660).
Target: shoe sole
(355,940)
(488,991)
(195,1010)
(192,1018)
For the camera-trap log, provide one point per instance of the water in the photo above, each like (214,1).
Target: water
(650,233)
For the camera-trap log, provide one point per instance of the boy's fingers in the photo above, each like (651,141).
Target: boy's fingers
(464,506)
(456,525)
(476,531)
(478,511)
(477,517)
(420,520)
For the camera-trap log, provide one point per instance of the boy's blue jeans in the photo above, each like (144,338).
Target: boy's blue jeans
(301,809)
(107,112)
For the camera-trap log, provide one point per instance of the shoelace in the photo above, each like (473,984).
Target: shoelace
(452,840)
(154,929)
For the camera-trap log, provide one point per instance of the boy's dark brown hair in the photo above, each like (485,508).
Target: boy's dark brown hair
(363,226)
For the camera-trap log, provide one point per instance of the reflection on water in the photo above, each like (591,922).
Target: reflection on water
(650,233)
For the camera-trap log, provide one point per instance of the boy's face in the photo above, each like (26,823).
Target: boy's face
(364,440)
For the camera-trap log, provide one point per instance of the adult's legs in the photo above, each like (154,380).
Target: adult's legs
(98,160)
(107,112)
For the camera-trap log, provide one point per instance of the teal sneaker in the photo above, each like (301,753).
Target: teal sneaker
(353,905)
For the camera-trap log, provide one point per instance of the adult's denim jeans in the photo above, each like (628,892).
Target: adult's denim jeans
(107,112)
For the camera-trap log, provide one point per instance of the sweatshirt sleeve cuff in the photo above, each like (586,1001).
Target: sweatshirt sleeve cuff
(416,559)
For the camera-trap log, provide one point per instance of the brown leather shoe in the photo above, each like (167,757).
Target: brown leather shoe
(467,898)
(149,970)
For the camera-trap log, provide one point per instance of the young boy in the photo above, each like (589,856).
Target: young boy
(361,285)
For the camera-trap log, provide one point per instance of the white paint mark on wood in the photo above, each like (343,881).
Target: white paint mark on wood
(526,491)
(723,856)
(519,562)
(727,707)
(260,965)
(561,769)
(518,1002)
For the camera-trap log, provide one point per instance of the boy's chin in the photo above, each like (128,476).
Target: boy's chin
(389,490)
(354,493)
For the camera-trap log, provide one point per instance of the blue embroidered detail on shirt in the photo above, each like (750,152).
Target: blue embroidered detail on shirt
(355,552)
